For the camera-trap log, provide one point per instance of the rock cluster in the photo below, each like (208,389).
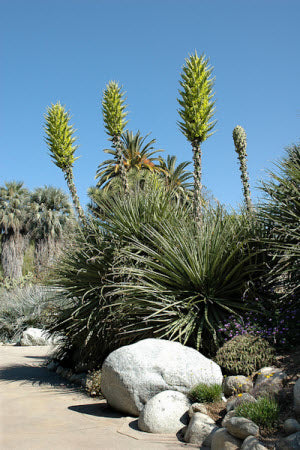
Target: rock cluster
(151,380)
(133,374)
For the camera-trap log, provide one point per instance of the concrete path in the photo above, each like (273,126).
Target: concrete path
(41,411)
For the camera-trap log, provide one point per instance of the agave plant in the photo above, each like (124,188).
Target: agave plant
(137,180)
(29,306)
(182,286)
(280,213)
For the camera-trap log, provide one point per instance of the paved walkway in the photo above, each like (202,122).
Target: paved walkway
(41,411)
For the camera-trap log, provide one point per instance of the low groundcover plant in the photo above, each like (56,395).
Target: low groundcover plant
(203,393)
(264,412)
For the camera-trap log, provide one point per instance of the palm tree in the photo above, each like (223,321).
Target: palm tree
(114,114)
(13,225)
(176,178)
(196,112)
(51,216)
(137,154)
(61,142)
(240,143)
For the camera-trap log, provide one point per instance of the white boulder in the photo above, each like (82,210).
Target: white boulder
(133,374)
(37,336)
(166,412)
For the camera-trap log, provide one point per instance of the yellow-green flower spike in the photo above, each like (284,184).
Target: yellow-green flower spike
(113,109)
(197,104)
(60,136)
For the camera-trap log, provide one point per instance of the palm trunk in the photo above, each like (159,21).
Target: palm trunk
(245,182)
(12,256)
(46,250)
(116,140)
(72,188)
(197,208)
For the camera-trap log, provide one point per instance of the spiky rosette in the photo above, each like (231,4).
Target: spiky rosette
(240,140)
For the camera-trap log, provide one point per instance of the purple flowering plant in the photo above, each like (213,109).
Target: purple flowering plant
(267,316)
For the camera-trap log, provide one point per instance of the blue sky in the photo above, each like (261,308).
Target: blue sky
(68,50)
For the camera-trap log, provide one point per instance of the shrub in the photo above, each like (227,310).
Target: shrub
(264,412)
(185,281)
(203,393)
(280,213)
(29,306)
(275,321)
(244,354)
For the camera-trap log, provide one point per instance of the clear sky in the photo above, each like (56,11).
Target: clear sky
(68,50)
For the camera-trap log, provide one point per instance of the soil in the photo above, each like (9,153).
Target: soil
(289,362)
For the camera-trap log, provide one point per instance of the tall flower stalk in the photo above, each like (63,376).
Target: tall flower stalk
(61,142)
(114,115)
(240,143)
(196,112)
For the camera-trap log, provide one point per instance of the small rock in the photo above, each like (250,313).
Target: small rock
(166,412)
(197,407)
(269,381)
(297,397)
(241,427)
(250,443)
(289,443)
(244,398)
(234,385)
(200,430)
(227,417)
(222,440)
(291,426)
